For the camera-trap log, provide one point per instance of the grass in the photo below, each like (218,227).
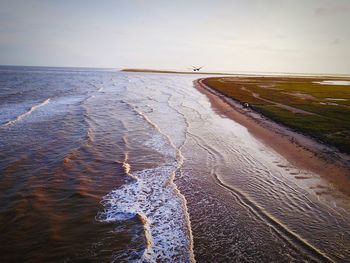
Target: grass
(320,111)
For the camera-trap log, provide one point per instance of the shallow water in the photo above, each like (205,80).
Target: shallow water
(334,82)
(106,166)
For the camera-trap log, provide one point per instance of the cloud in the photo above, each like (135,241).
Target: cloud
(335,41)
(280,36)
(272,48)
(326,11)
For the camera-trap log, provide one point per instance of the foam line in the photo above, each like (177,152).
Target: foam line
(26,114)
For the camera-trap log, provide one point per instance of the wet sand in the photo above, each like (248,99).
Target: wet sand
(299,150)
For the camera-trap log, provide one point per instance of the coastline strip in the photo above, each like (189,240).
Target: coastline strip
(299,150)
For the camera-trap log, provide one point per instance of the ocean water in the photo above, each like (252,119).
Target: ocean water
(108,166)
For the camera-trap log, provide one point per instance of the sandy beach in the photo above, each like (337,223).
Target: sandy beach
(300,150)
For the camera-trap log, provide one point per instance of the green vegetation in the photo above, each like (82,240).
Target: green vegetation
(321,111)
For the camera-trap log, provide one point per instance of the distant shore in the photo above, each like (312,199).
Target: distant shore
(173,72)
(299,150)
(262,74)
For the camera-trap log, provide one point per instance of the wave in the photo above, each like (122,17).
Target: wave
(155,200)
(26,114)
(282,231)
(99,89)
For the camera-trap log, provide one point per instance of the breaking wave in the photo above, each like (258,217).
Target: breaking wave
(153,198)
(26,114)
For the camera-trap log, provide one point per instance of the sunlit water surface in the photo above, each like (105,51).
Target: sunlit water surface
(106,166)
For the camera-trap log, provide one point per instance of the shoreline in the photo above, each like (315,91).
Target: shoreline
(174,72)
(252,74)
(298,149)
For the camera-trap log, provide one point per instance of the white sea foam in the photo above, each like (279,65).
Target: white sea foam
(336,99)
(154,198)
(24,115)
(334,82)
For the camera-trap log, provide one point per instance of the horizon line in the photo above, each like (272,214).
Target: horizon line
(184,71)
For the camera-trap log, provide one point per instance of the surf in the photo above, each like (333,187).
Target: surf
(26,114)
(152,196)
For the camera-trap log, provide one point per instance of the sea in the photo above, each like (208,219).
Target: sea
(99,165)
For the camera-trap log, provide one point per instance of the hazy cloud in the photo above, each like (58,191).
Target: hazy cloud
(237,35)
(325,11)
(335,41)
(273,49)
(280,36)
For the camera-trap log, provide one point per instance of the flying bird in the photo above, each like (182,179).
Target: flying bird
(196,69)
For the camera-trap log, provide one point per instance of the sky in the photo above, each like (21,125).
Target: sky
(295,36)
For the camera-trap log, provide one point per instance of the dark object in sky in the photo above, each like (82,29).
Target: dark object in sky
(197,69)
